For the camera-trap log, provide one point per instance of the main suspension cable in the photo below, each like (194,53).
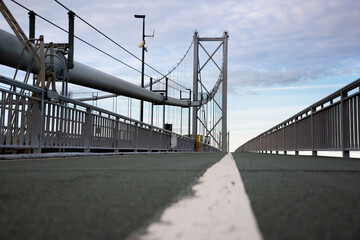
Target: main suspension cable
(108,54)
(133,55)
(80,39)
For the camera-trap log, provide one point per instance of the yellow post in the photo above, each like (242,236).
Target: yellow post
(197,143)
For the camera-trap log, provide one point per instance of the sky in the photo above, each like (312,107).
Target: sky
(283,55)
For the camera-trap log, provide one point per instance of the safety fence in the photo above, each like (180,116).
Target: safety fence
(331,124)
(33,120)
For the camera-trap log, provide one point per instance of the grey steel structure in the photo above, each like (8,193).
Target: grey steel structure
(83,75)
(222,80)
(332,124)
(32,122)
(11,51)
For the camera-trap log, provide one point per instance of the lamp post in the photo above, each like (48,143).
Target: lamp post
(142,45)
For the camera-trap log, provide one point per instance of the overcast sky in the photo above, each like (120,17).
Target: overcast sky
(283,55)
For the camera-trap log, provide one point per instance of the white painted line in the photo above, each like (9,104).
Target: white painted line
(220,210)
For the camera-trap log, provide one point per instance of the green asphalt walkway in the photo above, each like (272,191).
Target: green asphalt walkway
(105,197)
(110,197)
(300,197)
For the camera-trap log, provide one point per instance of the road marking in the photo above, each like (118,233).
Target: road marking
(219,209)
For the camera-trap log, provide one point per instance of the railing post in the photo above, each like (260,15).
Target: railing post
(152,104)
(36,128)
(284,139)
(137,138)
(116,134)
(344,126)
(277,141)
(276,147)
(314,152)
(87,130)
(42,117)
(151,138)
(295,137)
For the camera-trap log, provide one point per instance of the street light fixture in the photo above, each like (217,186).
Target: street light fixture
(142,45)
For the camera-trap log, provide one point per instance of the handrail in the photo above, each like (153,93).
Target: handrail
(16,83)
(344,119)
(45,121)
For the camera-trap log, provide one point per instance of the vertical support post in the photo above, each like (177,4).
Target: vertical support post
(284,139)
(152,104)
(116,134)
(52,64)
(167,88)
(295,137)
(137,137)
(224,93)
(228,141)
(151,139)
(181,120)
(314,152)
(166,97)
(71,40)
(344,126)
(189,123)
(42,120)
(70,63)
(32,25)
(142,71)
(37,124)
(195,83)
(87,130)
(41,75)
(164,116)
(276,141)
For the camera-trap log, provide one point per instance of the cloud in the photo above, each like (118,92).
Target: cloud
(272,43)
(297,87)
(282,43)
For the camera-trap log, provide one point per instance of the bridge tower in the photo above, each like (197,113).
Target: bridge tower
(222,141)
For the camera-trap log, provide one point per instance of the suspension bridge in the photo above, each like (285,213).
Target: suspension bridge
(90,155)
(184,112)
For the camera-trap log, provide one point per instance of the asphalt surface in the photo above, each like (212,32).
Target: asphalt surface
(92,197)
(299,197)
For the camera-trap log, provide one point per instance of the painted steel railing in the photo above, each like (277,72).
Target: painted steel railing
(331,124)
(36,120)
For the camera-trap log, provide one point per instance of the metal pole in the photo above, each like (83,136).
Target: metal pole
(166,88)
(189,123)
(32,25)
(71,40)
(42,120)
(224,94)
(314,152)
(142,71)
(42,63)
(152,104)
(166,96)
(195,83)
(164,116)
(344,126)
(71,49)
(181,120)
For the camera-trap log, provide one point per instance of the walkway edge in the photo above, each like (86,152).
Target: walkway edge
(219,209)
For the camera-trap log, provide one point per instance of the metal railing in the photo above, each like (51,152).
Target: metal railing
(331,124)
(34,120)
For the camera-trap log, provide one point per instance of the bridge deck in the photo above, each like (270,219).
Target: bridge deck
(91,197)
(301,197)
(110,197)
